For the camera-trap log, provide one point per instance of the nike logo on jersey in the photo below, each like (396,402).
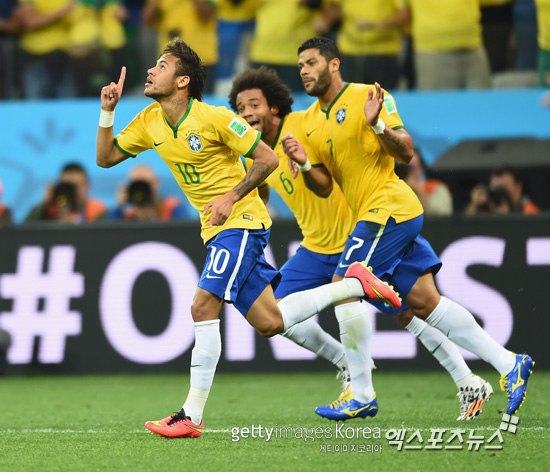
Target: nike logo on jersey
(208,276)
(158,144)
(343,266)
(307,134)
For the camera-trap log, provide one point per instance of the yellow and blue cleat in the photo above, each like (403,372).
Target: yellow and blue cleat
(514,383)
(346,408)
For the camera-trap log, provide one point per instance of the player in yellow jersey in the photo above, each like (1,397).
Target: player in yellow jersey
(260,97)
(355,133)
(201,146)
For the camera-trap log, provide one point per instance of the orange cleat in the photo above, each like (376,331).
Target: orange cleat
(375,289)
(176,426)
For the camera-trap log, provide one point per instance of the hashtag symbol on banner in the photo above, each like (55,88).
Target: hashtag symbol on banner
(509,423)
(40,307)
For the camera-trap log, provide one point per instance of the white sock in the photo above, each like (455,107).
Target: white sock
(460,326)
(300,306)
(310,335)
(204,359)
(355,334)
(440,347)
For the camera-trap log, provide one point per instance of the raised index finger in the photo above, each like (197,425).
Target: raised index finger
(120,83)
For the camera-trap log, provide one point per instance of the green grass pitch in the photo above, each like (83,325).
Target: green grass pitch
(95,423)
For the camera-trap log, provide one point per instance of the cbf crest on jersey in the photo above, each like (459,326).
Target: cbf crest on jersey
(195,143)
(341,115)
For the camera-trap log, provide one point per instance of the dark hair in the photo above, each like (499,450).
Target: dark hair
(327,47)
(267,80)
(74,167)
(190,64)
(503,170)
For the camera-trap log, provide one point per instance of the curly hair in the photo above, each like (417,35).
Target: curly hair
(267,80)
(327,47)
(190,64)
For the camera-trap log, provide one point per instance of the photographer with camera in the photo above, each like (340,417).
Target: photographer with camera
(140,199)
(67,201)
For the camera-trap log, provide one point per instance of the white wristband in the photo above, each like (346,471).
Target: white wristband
(304,167)
(379,127)
(106,118)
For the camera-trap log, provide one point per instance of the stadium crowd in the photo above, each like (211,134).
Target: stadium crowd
(68,48)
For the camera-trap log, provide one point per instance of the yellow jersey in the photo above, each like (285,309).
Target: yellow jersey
(445,25)
(242,11)
(53,37)
(348,147)
(543,21)
(325,223)
(180,18)
(202,152)
(281,26)
(355,41)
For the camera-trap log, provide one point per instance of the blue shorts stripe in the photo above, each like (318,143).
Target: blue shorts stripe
(237,266)
(396,252)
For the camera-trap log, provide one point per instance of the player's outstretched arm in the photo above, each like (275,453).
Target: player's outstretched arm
(265,162)
(317,179)
(107,154)
(398,141)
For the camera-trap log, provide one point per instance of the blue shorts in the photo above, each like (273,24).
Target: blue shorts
(235,268)
(396,252)
(304,270)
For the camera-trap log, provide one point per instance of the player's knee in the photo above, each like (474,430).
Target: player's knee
(404,317)
(200,312)
(270,329)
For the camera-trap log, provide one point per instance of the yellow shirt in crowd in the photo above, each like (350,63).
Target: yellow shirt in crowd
(445,25)
(353,40)
(180,18)
(281,26)
(53,37)
(543,21)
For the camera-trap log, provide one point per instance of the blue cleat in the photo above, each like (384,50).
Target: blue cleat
(514,383)
(346,407)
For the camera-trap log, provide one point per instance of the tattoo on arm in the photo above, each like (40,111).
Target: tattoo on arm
(395,142)
(254,177)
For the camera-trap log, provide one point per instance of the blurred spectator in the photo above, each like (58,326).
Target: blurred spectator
(509,179)
(45,70)
(525,34)
(5,213)
(235,27)
(497,21)
(543,62)
(193,21)
(140,199)
(434,194)
(10,26)
(113,14)
(448,48)
(68,201)
(96,43)
(281,26)
(369,38)
(479,200)
(494,199)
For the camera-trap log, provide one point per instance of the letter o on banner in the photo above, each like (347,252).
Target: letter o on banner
(115,302)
